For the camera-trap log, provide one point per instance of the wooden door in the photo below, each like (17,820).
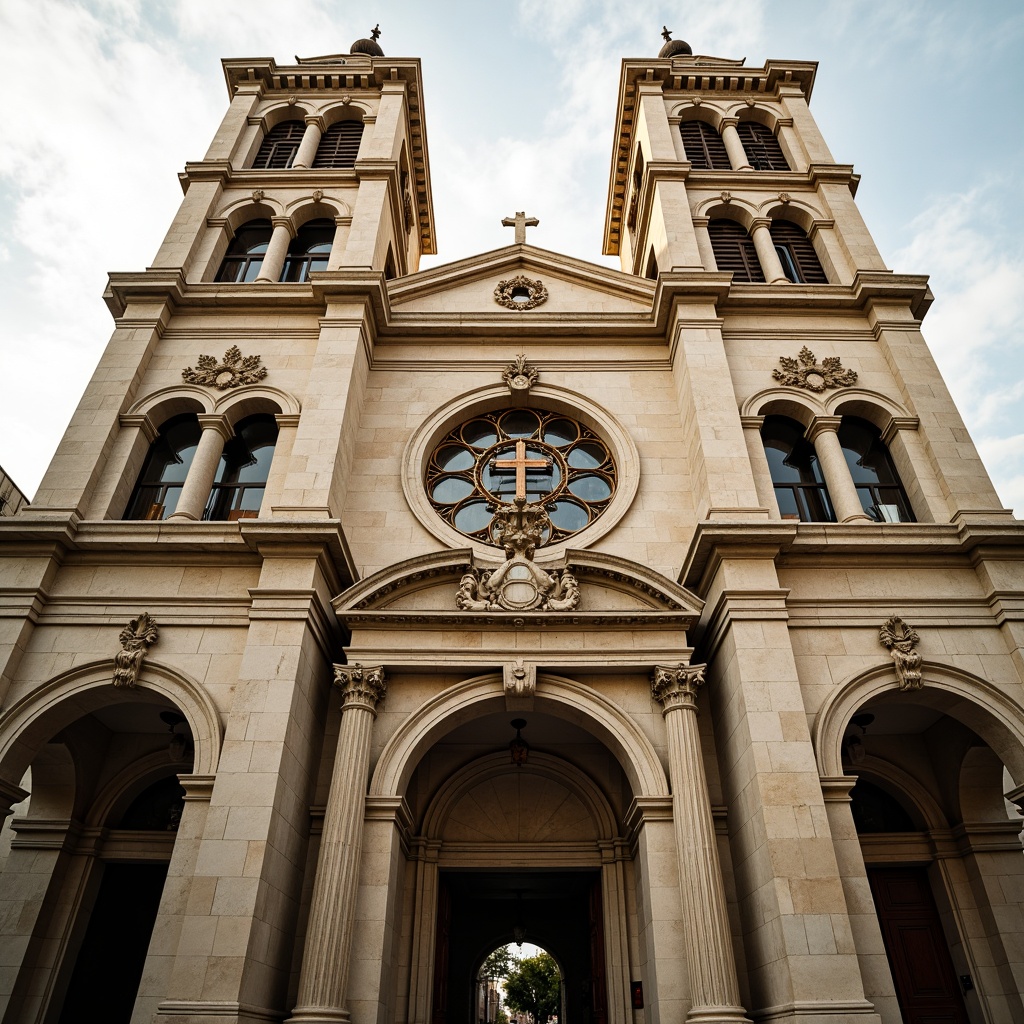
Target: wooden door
(922,970)
(598,985)
(442,939)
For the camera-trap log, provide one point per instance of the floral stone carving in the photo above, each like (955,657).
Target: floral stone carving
(806,372)
(520,293)
(136,638)
(518,585)
(520,375)
(233,371)
(900,640)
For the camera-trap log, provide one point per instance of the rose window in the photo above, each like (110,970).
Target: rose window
(548,457)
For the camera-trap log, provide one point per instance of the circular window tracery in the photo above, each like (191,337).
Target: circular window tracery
(553,458)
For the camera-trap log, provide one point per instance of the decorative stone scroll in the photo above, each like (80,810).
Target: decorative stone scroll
(677,686)
(520,293)
(519,375)
(900,640)
(136,638)
(233,371)
(363,687)
(806,372)
(518,585)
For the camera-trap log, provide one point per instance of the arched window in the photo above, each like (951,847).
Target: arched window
(339,146)
(704,146)
(734,250)
(245,254)
(796,253)
(279,146)
(871,466)
(244,467)
(761,146)
(799,485)
(309,250)
(163,473)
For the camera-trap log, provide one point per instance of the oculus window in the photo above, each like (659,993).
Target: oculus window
(568,467)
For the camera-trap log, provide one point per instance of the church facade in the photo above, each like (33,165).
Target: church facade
(370,618)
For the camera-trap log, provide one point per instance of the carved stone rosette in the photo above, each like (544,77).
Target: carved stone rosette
(519,375)
(136,638)
(233,371)
(536,293)
(518,584)
(806,372)
(900,640)
(360,687)
(677,686)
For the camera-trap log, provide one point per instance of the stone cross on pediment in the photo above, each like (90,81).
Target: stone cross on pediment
(520,222)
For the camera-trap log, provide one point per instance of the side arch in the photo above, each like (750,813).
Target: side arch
(969,699)
(798,405)
(245,401)
(170,401)
(870,405)
(32,721)
(562,697)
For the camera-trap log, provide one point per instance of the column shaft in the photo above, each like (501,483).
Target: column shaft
(712,965)
(770,262)
(306,153)
(199,482)
(841,488)
(325,963)
(734,147)
(277,250)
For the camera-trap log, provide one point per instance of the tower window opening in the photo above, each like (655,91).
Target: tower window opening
(734,251)
(242,472)
(761,146)
(310,250)
(279,146)
(796,473)
(704,147)
(339,146)
(800,262)
(878,484)
(244,258)
(163,473)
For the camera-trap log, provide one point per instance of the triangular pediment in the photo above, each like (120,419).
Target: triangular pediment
(612,589)
(574,287)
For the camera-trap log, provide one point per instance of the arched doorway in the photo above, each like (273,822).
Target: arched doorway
(939,844)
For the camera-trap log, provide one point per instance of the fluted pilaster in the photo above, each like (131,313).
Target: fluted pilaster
(714,988)
(325,961)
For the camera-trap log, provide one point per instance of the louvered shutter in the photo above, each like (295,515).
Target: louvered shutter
(279,146)
(704,146)
(734,251)
(801,248)
(339,146)
(762,148)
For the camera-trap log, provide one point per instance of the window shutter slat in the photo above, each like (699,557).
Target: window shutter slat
(279,146)
(704,146)
(734,251)
(339,146)
(762,147)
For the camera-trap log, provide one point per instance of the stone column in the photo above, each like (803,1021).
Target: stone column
(325,962)
(845,499)
(712,965)
(199,482)
(759,464)
(306,152)
(277,250)
(769,258)
(704,246)
(734,146)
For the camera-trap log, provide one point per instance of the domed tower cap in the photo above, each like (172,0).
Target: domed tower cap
(673,47)
(368,46)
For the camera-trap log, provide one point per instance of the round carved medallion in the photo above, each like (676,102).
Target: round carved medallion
(520,293)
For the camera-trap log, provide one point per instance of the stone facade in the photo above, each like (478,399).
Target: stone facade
(733,783)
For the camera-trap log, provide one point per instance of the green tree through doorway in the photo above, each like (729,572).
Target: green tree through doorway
(533,986)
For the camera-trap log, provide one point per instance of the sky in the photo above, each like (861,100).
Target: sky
(107,100)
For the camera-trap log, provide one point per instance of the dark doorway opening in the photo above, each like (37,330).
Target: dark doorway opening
(560,911)
(109,966)
(922,970)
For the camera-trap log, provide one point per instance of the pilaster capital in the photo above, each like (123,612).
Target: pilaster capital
(752,422)
(896,424)
(676,686)
(216,421)
(823,425)
(360,687)
(760,222)
(282,222)
(728,122)
(315,119)
(141,422)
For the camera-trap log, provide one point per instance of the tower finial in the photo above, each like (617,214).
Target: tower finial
(666,33)
(375,34)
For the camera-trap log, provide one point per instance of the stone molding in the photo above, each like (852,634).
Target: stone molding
(361,687)
(677,686)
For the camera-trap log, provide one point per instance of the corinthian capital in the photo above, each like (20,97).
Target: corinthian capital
(360,687)
(676,686)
